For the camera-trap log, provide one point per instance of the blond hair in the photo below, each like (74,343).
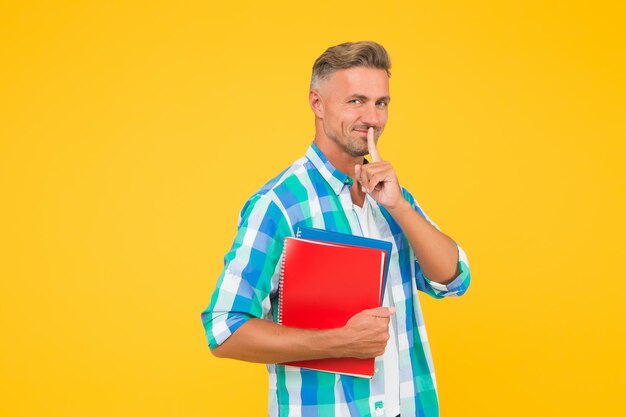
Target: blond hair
(348,55)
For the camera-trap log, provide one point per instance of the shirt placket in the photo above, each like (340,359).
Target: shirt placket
(348,208)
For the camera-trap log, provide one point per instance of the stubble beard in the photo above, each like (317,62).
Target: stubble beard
(350,145)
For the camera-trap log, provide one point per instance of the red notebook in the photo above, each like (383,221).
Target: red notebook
(322,286)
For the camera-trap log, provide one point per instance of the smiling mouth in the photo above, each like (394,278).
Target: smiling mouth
(363,133)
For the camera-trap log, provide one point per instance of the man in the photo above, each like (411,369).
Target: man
(333,187)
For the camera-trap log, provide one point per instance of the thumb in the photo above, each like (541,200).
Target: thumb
(357,172)
(357,176)
(383,312)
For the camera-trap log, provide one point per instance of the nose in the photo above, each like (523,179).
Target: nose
(370,115)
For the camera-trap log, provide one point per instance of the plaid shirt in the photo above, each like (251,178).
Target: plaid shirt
(313,193)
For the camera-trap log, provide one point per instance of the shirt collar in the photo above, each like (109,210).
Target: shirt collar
(335,178)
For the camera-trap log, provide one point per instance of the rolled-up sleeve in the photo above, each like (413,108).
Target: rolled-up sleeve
(251,271)
(459,285)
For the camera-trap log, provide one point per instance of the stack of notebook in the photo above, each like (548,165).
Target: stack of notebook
(326,279)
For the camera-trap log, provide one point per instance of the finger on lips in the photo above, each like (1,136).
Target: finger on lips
(364,174)
(371,146)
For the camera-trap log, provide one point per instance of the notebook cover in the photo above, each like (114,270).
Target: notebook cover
(312,233)
(322,286)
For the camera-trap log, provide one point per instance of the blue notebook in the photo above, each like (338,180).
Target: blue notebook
(347,239)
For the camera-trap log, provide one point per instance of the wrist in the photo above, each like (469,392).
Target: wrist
(401,206)
(327,343)
(336,344)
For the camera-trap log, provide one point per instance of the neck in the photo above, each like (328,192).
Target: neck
(341,160)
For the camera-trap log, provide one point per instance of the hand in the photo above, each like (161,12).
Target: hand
(378,178)
(366,333)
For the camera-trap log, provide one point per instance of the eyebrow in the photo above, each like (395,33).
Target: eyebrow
(365,98)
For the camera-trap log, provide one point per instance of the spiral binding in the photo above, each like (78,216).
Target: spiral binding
(282,278)
(281,281)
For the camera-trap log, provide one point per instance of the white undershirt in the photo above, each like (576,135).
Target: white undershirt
(390,357)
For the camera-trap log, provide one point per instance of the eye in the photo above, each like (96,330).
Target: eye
(382,104)
(355,101)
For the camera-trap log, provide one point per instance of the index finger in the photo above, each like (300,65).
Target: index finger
(371,146)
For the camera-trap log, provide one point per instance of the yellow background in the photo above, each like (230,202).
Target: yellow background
(133,132)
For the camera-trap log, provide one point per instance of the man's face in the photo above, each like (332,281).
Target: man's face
(354,99)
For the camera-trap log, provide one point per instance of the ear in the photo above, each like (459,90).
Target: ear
(316,103)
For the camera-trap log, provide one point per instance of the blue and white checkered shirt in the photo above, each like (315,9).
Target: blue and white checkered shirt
(313,193)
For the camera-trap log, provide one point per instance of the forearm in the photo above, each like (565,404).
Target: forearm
(264,341)
(436,253)
(365,335)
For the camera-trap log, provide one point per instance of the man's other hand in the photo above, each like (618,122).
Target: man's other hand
(367,333)
(378,178)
